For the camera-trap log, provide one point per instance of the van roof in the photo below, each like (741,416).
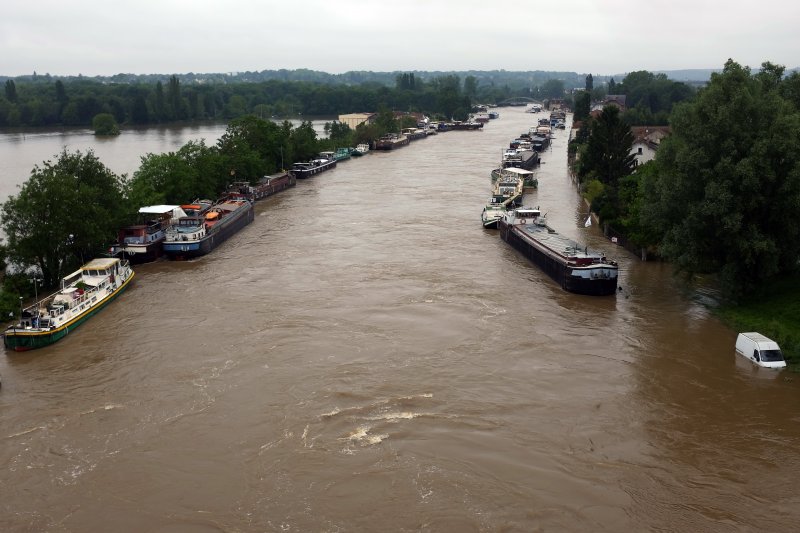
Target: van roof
(758,337)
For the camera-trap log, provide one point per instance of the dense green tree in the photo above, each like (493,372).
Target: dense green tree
(67,211)
(583,106)
(11,91)
(471,87)
(589,83)
(69,116)
(790,88)
(650,97)
(303,142)
(607,158)
(139,112)
(159,103)
(251,147)
(174,102)
(194,171)
(553,89)
(726,194)
(339,134)
(105,124)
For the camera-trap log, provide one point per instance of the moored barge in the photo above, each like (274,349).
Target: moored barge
(391,141)
(577,269)
(311,168)
(143,242)
(266,186)
(201,232)
(83,293)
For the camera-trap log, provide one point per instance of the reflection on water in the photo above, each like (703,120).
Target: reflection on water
(366,353)
(22,150)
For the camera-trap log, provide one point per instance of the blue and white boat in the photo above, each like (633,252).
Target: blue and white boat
(206,227)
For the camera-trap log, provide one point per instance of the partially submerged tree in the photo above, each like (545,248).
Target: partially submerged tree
(66,212)
(105,124)
(726,193)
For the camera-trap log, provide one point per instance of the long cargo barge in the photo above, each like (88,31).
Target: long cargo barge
(311,168)
(577,269)
(266,186)
(198,234)
(391,141)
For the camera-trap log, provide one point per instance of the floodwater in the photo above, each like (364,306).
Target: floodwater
(365,356)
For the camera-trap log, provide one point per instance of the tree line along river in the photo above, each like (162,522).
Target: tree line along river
(365,354)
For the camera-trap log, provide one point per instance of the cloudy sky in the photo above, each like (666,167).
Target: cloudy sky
(599,36)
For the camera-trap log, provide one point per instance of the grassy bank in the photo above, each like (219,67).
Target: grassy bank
(774,312)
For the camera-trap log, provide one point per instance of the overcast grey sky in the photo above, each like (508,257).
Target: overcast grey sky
(70,37)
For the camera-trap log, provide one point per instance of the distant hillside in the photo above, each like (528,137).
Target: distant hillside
(499,78)
(692,74)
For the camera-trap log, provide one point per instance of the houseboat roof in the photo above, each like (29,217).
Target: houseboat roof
(157,209)
(517,171)
(101,263)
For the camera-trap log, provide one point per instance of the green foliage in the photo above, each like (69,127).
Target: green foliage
(105,124)
(607,156)
(650,97)
(582,106)
(65,211)
(552,89)
(11,91)
(406,82)
(303,142)
(726,193)
(339,135)
(593,189)
(251,148)
(149,99)
(194,171)
(774,311)
(790,89)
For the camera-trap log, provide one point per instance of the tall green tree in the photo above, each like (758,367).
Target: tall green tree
(175,106)
(11,91)
(194,171)
(607,159)
(251,147)
(583,105)
(589,83)
(66,212)
(726,194)
(303,141)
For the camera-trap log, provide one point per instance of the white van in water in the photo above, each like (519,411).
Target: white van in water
(761,350)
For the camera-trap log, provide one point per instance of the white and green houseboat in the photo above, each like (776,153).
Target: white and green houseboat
(82,294)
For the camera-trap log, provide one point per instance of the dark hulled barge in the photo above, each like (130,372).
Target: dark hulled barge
(391,141)
(206,228)
(313,167)
(266,186)
(576,269)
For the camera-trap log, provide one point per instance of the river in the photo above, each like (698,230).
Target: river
(365,356)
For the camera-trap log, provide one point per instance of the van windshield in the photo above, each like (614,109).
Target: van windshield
(771,356)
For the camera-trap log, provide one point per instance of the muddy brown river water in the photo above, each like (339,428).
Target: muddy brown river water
(366,357)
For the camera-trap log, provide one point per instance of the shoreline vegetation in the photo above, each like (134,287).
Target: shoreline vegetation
(774,312)
(719,198)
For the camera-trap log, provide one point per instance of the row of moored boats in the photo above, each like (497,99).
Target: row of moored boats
(576,268)
(173,231)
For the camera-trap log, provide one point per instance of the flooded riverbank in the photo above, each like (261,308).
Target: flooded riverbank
(365,353)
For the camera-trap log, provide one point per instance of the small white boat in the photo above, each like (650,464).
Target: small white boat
(361,149)
(492,213)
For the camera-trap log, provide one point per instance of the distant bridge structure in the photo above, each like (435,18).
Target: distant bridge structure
(519,100)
